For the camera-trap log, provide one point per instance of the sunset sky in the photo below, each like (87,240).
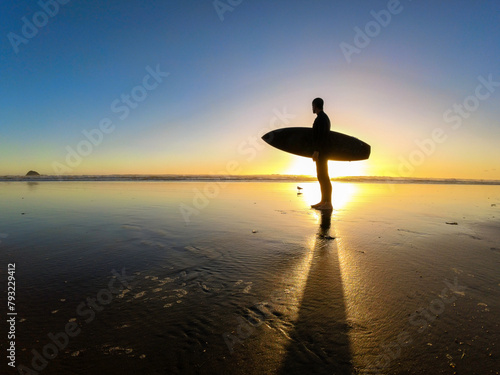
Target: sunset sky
(188,87)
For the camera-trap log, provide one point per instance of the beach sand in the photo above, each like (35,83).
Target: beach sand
(244,278)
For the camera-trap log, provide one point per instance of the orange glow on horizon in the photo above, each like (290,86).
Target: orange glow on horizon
(306,167)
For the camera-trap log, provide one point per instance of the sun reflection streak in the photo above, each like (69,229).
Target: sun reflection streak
(360,314)
(355,288)
(296,280)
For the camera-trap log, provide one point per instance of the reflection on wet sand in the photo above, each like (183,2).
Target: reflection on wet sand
(32,185)
(319,341)
(281,295)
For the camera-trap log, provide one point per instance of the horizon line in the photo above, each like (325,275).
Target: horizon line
(274,176)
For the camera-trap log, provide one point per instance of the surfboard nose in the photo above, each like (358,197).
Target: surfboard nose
(268,137)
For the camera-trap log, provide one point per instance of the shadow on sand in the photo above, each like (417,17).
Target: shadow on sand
(319,341)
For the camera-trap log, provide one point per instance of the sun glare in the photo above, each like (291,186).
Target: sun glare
(306,167)
(342,193)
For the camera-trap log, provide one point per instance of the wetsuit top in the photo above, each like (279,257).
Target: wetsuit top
(321,127)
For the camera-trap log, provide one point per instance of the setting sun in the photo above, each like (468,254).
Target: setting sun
(306,167)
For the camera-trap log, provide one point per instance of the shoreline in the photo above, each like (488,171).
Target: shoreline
(245,178)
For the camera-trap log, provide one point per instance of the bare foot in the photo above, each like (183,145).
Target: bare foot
(324,206)
(317,204)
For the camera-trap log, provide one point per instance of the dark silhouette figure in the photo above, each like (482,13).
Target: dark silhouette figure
(321,128)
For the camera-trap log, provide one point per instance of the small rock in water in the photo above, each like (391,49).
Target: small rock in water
(451,223)
(254,231)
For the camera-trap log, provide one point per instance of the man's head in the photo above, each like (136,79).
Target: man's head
(317,105)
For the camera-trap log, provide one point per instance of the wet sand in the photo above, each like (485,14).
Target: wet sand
(244,278)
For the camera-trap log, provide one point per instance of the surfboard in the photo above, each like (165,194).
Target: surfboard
(298,141)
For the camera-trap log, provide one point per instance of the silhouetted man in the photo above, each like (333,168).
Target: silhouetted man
(321,128)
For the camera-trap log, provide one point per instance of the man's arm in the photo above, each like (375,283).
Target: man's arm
(321,128)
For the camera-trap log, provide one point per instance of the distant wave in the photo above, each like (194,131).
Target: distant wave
(269,178)
(140,177)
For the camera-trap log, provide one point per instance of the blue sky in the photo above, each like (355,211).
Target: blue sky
(227,78)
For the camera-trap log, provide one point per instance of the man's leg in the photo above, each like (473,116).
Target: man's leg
(324,183)
(319,174)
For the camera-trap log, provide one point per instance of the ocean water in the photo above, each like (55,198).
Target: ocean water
(242,277)
(249,178)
